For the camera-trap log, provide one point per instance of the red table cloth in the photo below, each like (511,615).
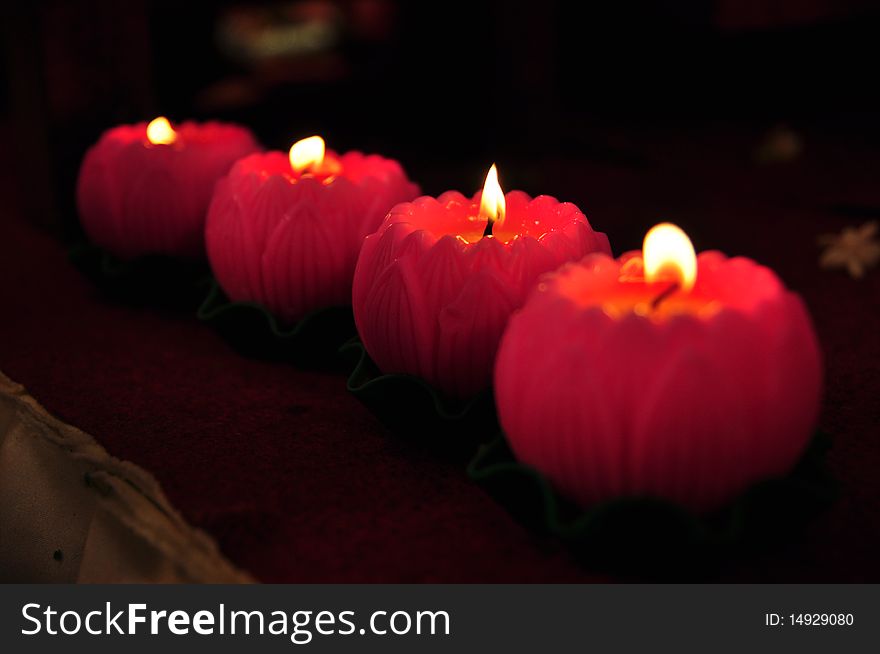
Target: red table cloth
(297,482)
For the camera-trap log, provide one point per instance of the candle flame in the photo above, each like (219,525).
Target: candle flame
(668,252)
(160,132)
(307,153)
(492,204)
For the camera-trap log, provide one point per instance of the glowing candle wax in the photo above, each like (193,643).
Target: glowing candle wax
(284,230)
(660,374)
(435,285)
(145,189)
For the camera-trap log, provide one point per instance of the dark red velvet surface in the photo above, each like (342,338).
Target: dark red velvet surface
(298,482)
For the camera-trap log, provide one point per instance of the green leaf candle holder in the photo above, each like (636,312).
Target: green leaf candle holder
(411,408)
(156,280)
(254,331)
(652,537)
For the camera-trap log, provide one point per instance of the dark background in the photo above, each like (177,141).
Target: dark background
(447,87)
(752,124)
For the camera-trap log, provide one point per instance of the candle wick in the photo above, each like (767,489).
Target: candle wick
(488,230)
(655,303)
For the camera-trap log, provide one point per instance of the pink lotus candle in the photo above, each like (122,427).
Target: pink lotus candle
(284,230)
(435,285)
(659,374)
(145,189)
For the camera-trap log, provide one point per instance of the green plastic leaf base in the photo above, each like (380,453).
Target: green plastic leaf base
(253,331)
(411,408)
(158,281)
(655,538)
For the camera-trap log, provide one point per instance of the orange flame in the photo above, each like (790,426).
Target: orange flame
(493,206)
(307,153)
(160,132)
(668,252)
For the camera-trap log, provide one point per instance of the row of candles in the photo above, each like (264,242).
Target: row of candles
(662,373)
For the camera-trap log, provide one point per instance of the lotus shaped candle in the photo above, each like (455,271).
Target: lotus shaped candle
(436,284)
(145,189)
(285,230)
(666,375)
